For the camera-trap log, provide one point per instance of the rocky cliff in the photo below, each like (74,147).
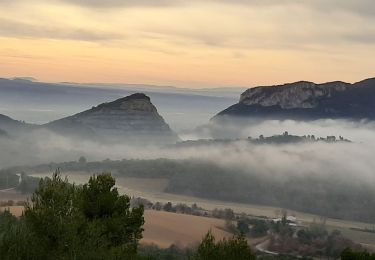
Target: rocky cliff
(130,119)
(301,94)
(307,100)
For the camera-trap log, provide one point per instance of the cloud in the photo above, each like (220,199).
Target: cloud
(360,7)
(361,37)
(122,3)
(345,160)
(12,28)
(248,24)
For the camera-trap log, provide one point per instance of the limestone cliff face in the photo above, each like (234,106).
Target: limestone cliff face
(301,94)
(307,100)
(133,118)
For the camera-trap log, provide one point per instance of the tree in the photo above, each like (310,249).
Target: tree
(157,206)
(348,254)
(53,216)
(111,224)
(168,207)
(233,248)
(16,241)
(82,160)
(243,226)
(228,214)
(259,228)
(64,221)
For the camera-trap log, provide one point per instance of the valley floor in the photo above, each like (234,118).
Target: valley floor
(153,190)
(165,228)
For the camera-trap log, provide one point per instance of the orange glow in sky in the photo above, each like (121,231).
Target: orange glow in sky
(187,43)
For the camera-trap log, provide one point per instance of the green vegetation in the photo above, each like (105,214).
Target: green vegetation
(28,184)
(253,227)
(325,195)
(12,178)
(8,180)
(328,196)
(92,221)
(64,221)
(172,253)
(284,138)
(313,241)
(348,254)
(235,248)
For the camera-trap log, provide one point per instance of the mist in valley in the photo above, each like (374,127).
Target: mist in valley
(343,159)
(333,179)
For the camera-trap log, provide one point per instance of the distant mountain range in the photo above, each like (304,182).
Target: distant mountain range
(38,102)
(123,117)
(306,100)
(9,125)
(132,119)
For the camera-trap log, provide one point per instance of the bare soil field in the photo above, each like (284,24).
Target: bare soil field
(15,210)
(12,195)
(164,229)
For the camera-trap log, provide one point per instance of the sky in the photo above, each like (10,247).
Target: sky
(191,43)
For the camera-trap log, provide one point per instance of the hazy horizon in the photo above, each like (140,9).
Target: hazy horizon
(169,86)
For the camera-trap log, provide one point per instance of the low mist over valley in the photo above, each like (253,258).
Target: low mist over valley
(314,167)
(321,163)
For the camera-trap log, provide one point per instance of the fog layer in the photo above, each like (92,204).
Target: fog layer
(345,160)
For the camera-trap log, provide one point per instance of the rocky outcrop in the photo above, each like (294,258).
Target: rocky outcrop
(307,100)
(301,94)
(130,119)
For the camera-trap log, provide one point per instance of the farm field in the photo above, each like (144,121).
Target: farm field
(12,195)
(164,228)
(153,190)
